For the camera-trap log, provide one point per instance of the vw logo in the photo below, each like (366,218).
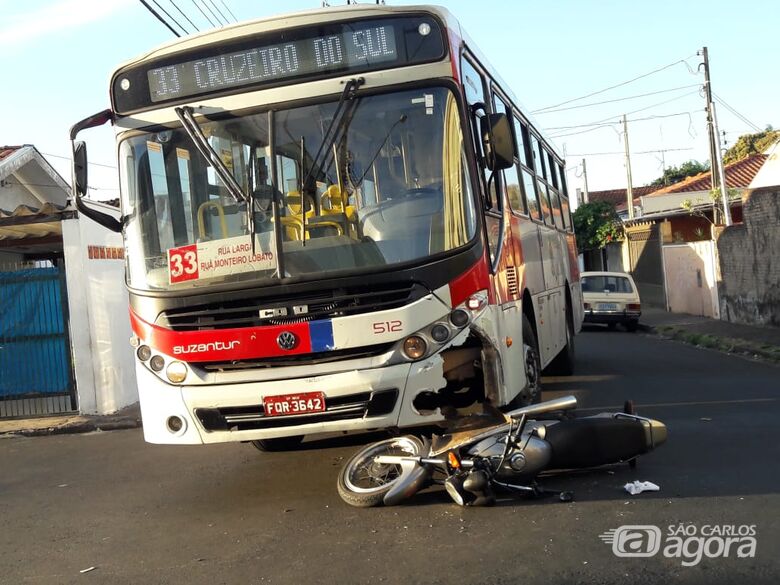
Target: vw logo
(286,340)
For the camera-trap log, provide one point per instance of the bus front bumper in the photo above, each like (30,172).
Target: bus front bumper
(355,400)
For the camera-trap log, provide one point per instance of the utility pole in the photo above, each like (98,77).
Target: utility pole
(585,175)
(717,173)
(724,188)
(629,191)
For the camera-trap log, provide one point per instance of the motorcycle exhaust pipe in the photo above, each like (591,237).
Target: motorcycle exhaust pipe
(562,403)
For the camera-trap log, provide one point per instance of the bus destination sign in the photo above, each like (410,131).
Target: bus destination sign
(310,56)
(281,57)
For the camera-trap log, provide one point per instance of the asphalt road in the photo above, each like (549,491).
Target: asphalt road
(143,514)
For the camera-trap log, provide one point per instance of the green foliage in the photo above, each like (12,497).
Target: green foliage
(748,144)
(596,224)
(676,174)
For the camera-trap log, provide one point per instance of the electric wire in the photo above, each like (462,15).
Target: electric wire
(160,18)
(206,5)
(71,159)
(611,124)
(228,9)
(623,152)
(630,97)
(206,16)
(176,6)
(721,101)
(218,11)
(168,14)
(654,71)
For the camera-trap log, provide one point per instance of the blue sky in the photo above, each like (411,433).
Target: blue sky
(58,55)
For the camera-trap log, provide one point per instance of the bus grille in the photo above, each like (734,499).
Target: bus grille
(256,312)
(246,418)
(308,359)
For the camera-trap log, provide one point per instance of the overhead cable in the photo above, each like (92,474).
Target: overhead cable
(228,9)
(206,16)
(168,14)
(721,101)
(176,6)
(630,97)
(218,11)
(654,71)
(160,18)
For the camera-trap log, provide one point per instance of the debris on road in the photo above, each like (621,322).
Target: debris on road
(87,570)
(637,487)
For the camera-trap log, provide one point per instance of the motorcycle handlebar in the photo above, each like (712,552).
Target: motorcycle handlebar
(562,403)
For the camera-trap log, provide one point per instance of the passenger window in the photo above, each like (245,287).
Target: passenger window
(556,203)
(521,137)
(529,188)
(544,202)
(565,213)
(513,192)
(538,159)
(553,175)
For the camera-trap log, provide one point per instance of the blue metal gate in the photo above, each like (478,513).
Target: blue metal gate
(36,376)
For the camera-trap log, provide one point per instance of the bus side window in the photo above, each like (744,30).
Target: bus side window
(529,188)
(536,150)
(544,200)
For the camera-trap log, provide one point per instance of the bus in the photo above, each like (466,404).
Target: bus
(334,220)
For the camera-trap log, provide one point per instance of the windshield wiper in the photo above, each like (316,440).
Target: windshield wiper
(213,159)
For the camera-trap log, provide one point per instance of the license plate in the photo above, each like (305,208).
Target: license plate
(288,404)
(607,307)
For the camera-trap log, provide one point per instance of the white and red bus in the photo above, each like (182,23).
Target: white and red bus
(334,220)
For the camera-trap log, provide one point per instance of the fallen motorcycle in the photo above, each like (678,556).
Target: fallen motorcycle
(492,449)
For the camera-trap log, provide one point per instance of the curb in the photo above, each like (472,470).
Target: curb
(646,328)
(87,426)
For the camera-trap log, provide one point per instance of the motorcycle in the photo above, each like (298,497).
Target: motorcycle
(491,449)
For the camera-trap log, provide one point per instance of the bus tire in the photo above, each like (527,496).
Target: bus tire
(532,362)
(280,444)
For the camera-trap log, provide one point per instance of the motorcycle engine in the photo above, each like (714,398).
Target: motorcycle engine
(526,459)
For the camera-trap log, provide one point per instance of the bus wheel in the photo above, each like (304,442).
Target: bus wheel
(563,364)
(533,365)
(280,444)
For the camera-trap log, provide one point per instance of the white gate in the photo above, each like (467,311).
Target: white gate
(691,282)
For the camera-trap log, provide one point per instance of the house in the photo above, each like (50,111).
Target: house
(63,327)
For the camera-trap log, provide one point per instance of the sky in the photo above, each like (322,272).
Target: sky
(57,57)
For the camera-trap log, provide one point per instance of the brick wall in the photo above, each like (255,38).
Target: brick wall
(750,262)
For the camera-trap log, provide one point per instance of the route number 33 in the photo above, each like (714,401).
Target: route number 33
(183,263)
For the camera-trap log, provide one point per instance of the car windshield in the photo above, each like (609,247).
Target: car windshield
(605,283)
(388,184)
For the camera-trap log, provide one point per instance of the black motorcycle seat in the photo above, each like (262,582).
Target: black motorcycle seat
(589,442)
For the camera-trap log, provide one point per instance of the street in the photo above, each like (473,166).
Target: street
(141,513)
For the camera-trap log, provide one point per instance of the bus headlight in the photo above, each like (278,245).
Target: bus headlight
(144,353)
(176,372)
(415,347)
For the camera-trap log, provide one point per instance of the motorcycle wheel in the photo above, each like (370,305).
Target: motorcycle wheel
(362,482)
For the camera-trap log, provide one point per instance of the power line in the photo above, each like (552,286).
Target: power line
(654,71)
(610,124)
(205,4)
(176,6)
(70,159)
(622,153)
(206,16)
(630,97)
(160,18)
(218,11)
(186,32)
(735,112)
(228,9)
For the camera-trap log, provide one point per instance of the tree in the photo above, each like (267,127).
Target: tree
(748,144)
(676,174)
(596,224)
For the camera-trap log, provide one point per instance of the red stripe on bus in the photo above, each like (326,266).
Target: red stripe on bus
(221,344)
(474,279)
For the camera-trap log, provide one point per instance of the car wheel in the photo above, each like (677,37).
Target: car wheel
(632,326)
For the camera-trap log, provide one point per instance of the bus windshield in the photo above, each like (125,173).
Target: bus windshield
(388,184)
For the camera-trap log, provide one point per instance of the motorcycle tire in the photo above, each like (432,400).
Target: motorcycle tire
(364,483)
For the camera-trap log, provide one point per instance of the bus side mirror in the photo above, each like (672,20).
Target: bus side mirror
(80,168)
(499,146)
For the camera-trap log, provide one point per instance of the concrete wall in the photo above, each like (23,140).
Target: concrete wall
(99,322)
(691,284)
(750,261)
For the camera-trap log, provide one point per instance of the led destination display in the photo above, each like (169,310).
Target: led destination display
(309,56)
(279,58)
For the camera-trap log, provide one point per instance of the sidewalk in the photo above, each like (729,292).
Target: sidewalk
(761,342)
(127,418)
